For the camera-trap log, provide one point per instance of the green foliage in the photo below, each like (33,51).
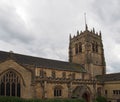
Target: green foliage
(16,99)
(101,99)
(10,99)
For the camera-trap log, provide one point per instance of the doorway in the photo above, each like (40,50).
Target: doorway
(86,97)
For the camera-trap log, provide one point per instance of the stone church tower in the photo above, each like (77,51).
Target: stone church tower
(86,48)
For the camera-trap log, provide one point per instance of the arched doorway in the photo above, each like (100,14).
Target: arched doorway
(82,92)
(10,84)
(86,97)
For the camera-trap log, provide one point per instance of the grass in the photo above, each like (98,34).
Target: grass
(16,99)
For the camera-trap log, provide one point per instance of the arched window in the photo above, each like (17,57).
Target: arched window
(58,91)
(80,47)
(76,48)
(10,84)
(96,47)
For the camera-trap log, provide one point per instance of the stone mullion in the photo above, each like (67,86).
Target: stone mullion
(57,92)
(10,87)
(5,86)
(16,83)
(9,84)
(15,88)
(60,92)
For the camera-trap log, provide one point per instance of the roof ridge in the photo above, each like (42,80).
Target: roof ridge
(40,57)
(32,56)
(43,62)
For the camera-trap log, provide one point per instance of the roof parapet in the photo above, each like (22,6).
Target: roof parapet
(98,34)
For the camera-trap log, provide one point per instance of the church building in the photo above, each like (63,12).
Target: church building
(84,76)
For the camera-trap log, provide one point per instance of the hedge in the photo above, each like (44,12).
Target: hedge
(17,99)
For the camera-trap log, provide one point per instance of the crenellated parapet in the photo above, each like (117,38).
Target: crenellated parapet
(86,32)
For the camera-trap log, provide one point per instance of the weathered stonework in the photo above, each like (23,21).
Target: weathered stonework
(84,76)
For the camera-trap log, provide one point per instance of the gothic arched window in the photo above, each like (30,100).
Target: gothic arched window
(58,91)
(96,47)
(76,48)
(93,47)
(80,47)
(10,84)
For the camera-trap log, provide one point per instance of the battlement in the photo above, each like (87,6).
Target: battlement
(92,33)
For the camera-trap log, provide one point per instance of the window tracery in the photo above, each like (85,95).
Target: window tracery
(78,48)
(58,91)
(10,84)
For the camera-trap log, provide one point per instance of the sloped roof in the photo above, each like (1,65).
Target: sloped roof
(41,62)
(109,77)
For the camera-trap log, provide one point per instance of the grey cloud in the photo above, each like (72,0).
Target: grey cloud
(107,13)
(12,27)
(114,67)
(107,10)
(49,23)
(49,52)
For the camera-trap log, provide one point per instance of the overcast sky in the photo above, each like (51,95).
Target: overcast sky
(42,27)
